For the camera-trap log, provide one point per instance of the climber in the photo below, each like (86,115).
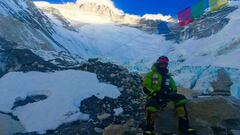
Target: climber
(160,88)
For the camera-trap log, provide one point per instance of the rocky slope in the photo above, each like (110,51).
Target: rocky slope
(22,22)
(102,111)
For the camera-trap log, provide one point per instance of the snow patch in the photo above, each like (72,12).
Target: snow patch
(167,18)
(118,111)
(107,3)
(65,90)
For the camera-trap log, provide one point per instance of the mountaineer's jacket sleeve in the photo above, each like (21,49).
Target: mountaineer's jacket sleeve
(147,84)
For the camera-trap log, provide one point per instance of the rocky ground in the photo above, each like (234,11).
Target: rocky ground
(122,116)
(102,110)
(126,109)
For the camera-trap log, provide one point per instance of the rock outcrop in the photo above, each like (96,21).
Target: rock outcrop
(120,130)
(209,116)
(222,86)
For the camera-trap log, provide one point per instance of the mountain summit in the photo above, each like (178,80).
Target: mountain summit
(98,12)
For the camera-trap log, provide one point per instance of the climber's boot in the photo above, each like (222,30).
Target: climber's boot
(184,128)
(149,132)
(191,131)
(149,129)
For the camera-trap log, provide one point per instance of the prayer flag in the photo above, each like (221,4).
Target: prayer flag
(217,4)
(184,17)
(198,9)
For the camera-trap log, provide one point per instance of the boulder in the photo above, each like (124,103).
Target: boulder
(217,115)
(188,93)
(166,122)
(103,116)
(222,86)
(209,116)
(119,130)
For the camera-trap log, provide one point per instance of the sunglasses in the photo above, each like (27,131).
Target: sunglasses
(161,64)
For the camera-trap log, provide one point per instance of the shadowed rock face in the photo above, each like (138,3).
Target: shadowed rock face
(23,60)
(222,85)
(23,23)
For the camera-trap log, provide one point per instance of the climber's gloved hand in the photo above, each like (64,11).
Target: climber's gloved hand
(157,94)
(163,103)
(161,94)
(153,94)
(162,98)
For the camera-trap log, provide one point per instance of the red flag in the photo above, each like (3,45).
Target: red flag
(184,17)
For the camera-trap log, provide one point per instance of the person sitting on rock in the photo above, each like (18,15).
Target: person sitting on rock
(161,88)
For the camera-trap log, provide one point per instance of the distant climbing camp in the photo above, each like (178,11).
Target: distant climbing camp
(160,88)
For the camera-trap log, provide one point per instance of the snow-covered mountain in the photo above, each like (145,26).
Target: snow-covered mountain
(101,12)
(22,22)
(196,51)
(97,12)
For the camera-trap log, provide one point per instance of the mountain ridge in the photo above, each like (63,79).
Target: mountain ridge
(100,9)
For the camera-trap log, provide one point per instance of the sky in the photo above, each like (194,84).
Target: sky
(141,7)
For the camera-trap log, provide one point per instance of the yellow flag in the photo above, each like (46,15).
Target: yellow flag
(217,4)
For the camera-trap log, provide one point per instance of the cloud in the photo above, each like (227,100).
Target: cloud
(167,18)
